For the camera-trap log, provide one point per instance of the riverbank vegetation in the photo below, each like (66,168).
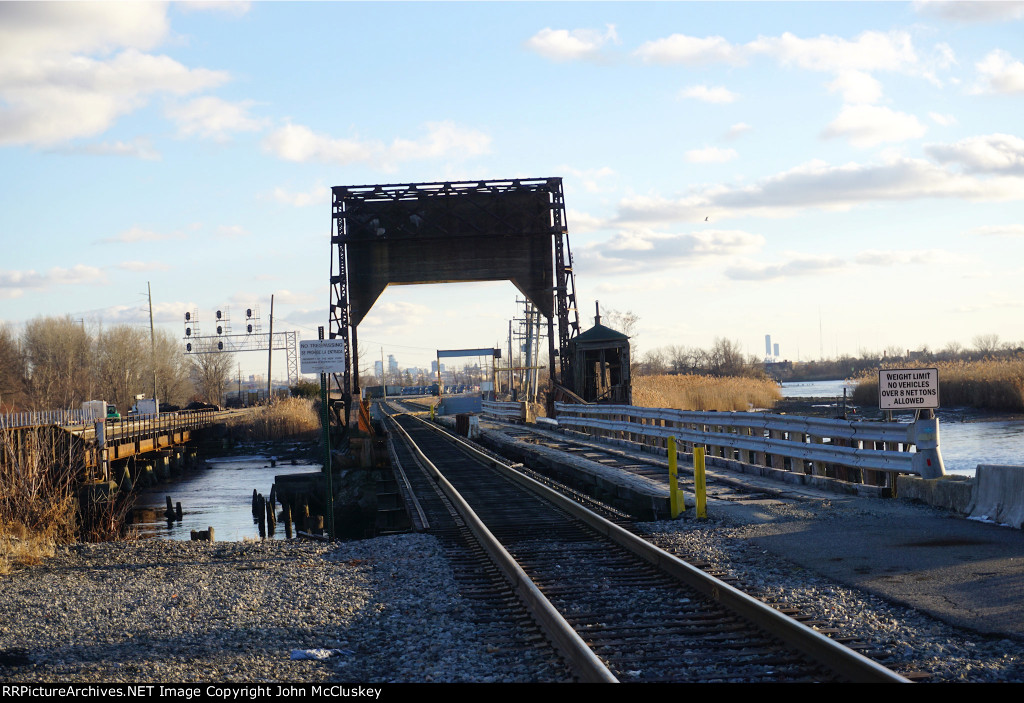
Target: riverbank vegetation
(286,418)
(690,392)
(38,507)
(990,383)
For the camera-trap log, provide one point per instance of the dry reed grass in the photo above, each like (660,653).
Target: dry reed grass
(288,418)
(995,384)
(704,392)
(38,504)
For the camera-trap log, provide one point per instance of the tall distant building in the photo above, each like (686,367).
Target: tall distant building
(392,364)
(378,368)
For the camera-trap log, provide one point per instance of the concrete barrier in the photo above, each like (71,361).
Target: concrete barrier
(951,492)
(999,494)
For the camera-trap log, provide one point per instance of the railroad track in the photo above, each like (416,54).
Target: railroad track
(614,606)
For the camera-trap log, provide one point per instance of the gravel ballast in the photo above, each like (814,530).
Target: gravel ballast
(385,610)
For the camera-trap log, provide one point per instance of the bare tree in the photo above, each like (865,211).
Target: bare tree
(987,343)
(13,381)
(173,371)
(726,358)
(59,353)
(653,363)
(211,372)
(123,364)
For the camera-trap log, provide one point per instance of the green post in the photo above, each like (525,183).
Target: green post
(673,481)
(326,422)
(698,479)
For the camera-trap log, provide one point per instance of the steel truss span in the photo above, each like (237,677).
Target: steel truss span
(447,232)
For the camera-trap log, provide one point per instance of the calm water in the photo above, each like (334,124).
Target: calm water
(220,496)
(964,445)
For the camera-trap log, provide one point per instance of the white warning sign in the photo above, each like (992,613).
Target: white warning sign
(322,355)
(908,389)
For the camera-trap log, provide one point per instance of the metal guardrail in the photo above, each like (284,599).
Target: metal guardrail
(806,445)
(502,410)
(39,418)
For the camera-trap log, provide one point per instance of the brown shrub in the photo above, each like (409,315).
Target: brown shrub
(288,418)
(996,384)
(705,392)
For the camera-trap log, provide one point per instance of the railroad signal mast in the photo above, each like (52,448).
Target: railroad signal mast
(253,339)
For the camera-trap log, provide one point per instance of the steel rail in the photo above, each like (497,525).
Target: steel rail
(815,645)
(587,665)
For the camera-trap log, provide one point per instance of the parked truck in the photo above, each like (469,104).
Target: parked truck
(145,406)
(94,410)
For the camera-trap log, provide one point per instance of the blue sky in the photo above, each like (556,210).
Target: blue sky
(842,176)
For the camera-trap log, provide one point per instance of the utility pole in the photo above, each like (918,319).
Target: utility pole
(152,338)
(270,347)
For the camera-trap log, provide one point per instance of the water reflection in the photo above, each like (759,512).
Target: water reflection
(219,496)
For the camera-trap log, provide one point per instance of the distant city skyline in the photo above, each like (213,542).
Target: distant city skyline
(843,176)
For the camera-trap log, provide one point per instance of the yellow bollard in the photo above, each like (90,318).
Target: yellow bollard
(676,500)
(431,413)
(698,480)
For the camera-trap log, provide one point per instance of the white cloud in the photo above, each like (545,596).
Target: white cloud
(999,72)
(717,94)
(566,45)
(320,195)
(53,90)
(213,118)
(736,130)
(580,222)
(973,11)
(819,185)
(856,87)
(893,257)
(142,266)
(138,148)
(443,140)
(640,250)
(992,153)
(692,51)
(800,265)
(138,234)
(235,8)
(811,264)
(869,51)
(997,231)
(14,283)
(870,125)
(710,155)
(590,178)
(232,231)
(31,30)
(944,120)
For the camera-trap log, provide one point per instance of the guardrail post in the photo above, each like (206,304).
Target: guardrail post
(927,461)
(677,502)
(699,487)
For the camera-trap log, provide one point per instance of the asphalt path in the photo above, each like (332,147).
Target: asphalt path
(965,572)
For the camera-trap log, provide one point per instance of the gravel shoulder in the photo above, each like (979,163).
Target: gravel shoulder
(161,611)
(389,608)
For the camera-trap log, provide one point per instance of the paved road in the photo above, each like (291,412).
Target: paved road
(965,572)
